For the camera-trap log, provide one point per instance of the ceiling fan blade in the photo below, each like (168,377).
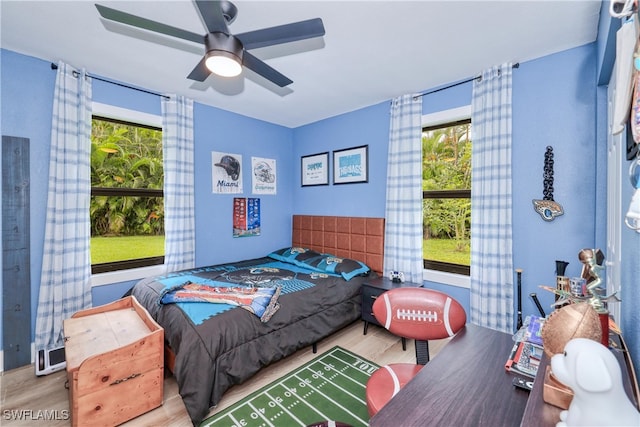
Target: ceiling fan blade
(266,71)
(282,34)
(200,72)
(211,13)
(147,24)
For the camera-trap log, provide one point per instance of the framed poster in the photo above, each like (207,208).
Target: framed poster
(351,165)
(315,169)
(226,172)
(264,178)
(246,216)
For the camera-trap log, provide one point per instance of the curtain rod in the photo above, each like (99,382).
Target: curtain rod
(76,74)
(516,65)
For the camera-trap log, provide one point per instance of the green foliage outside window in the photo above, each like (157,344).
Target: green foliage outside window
(446,167)
(125,156)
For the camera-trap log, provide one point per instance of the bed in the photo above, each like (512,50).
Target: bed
(306,298)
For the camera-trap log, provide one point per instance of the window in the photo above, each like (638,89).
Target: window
(127,200)
(446,193)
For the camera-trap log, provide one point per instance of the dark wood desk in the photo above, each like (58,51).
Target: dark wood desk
(464,385)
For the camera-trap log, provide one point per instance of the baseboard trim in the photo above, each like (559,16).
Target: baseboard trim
(33,356)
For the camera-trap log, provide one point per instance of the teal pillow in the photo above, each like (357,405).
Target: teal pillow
(294,255)
(345,267)
(322,263)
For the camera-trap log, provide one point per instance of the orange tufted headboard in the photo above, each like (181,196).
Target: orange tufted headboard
(359,238)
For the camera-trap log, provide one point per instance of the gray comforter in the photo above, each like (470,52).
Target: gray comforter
(227,349)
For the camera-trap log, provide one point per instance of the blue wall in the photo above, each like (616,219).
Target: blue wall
(27,98)
(218,130)
(368,126)
(554,103)
(26,104)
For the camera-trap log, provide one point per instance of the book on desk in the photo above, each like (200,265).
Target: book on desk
(527,350)
(524,359)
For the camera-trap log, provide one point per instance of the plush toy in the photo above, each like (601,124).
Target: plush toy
(593,374)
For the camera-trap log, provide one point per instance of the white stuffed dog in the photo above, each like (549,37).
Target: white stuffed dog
(594,375)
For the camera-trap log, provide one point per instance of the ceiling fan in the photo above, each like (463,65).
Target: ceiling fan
(226,53)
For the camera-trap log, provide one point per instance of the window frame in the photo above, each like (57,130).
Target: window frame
(455,275)
(109,273)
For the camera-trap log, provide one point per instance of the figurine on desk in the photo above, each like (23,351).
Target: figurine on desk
(592,265)
(593,374)
(592,260)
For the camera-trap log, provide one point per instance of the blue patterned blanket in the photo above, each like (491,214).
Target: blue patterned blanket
(262,301)
(204,293)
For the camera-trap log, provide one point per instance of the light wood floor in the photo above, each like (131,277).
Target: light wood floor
(21,390)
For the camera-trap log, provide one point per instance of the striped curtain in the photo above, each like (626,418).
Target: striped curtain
(491,227)
(65,286)
(179,213)
(403,237)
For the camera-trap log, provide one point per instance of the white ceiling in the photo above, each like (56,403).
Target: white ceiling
(372,50)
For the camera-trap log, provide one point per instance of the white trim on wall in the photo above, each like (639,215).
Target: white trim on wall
(446,116)
(124,114)
(458,280)
(615,153)
(434,119)
(126,275)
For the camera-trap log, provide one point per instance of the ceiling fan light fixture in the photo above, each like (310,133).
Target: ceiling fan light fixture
(224,54)
(223,63)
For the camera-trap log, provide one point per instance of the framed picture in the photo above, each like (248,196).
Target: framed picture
(315,169)
(351,165)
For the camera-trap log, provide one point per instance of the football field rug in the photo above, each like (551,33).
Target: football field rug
(329,387)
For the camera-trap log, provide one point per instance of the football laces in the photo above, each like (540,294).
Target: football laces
(417,315)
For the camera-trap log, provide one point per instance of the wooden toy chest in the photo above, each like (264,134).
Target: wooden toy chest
(115,363)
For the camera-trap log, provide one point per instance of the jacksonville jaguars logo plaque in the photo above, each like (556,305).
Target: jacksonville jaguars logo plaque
(547,207)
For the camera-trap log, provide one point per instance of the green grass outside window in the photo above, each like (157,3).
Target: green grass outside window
(447,250)
(110,249)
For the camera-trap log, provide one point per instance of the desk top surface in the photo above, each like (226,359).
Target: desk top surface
(464,384)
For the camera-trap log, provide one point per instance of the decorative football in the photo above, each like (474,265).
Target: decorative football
(419,313)
(571,321)
(386,382)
